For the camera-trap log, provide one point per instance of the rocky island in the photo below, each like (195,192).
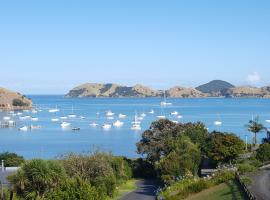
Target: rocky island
(215,88)
(10,100)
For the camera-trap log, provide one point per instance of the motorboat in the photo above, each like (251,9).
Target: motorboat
(19,114)
(23,128)
(217,123)
(118,123)
(174,113)
(143,115)
(93,124)
(161,117)
(6,118)
(55,119)
(179,116)
(34,119)
(151,111)
(106,126)
(65,124)
(63,117)
(122,116)
(76,128)
(109,113)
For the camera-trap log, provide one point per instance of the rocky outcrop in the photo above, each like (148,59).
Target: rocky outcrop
(10,100)
(248,91)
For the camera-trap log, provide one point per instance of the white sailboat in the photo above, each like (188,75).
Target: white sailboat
(54,110)
(174,113)
(161,117)
(151,111)
(217,123)
(164,102)
(34,119)
(72,115)
(268,120)
(136,125)
(93,124)
(55,119)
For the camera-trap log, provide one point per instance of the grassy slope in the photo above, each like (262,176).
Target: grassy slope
(224,191)
(125,188)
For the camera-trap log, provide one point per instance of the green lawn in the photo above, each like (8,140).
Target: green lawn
(125,188)
(224,191)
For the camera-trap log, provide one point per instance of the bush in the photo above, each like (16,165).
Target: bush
(245,168)
(19,102)
(141,168)
(11,159)
(263,153)
(222,177)
(246,180)
(75,189)
(36,178)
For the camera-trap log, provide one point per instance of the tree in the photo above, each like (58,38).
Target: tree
(255,127)
(183,160)
(156,141)
(36,178)
(263,152)
(11,159)
(223,147)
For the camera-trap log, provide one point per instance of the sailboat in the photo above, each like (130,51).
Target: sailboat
(106,126)
(268,120)
(54,110)
(136,125)
(151,111)
(65,124)
(118,123)
(218,122)
(72,115)
(175,113)
(121,116)
(109,113)
(164,102)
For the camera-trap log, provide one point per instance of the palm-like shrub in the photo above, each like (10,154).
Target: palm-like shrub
(36,178)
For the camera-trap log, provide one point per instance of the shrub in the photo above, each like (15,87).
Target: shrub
(222,177)
(11,159)
(75,189)
(121,168)
(141,168)
(246,180)
(263,153)
(245,167)
(36,178)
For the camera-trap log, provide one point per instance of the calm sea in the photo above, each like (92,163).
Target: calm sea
(51,141)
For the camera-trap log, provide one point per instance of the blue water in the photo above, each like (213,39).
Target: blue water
(51,141)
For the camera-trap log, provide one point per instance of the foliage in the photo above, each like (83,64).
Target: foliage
(155,142)
(36,178)
(72,189)
(223,147)
(263,153)
(245,168)
(183,188)
(246,180)
(141,168)
(255,127)
(19,102)
(11,159)
(101,170)
(183,160)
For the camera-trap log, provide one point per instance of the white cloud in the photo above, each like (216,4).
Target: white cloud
(254,78)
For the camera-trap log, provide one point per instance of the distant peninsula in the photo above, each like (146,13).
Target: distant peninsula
(10,100)
(215,88)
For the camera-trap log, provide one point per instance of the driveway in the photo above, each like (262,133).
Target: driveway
(146,191)
(260,186)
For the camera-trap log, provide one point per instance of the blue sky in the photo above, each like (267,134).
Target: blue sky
(48,47)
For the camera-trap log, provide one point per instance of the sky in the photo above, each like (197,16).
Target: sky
(49,47)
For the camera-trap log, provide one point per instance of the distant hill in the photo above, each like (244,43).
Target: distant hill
(215,87)
(10,100)
(111,90)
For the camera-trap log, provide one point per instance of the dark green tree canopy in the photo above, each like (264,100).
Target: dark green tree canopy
(157,141)
(223,147)
(11,159)
(263,153)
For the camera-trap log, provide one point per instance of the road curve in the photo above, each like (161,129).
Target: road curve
(260,186)
(146,191)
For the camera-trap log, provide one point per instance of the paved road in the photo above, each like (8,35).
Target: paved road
(146,191)
(260,186)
